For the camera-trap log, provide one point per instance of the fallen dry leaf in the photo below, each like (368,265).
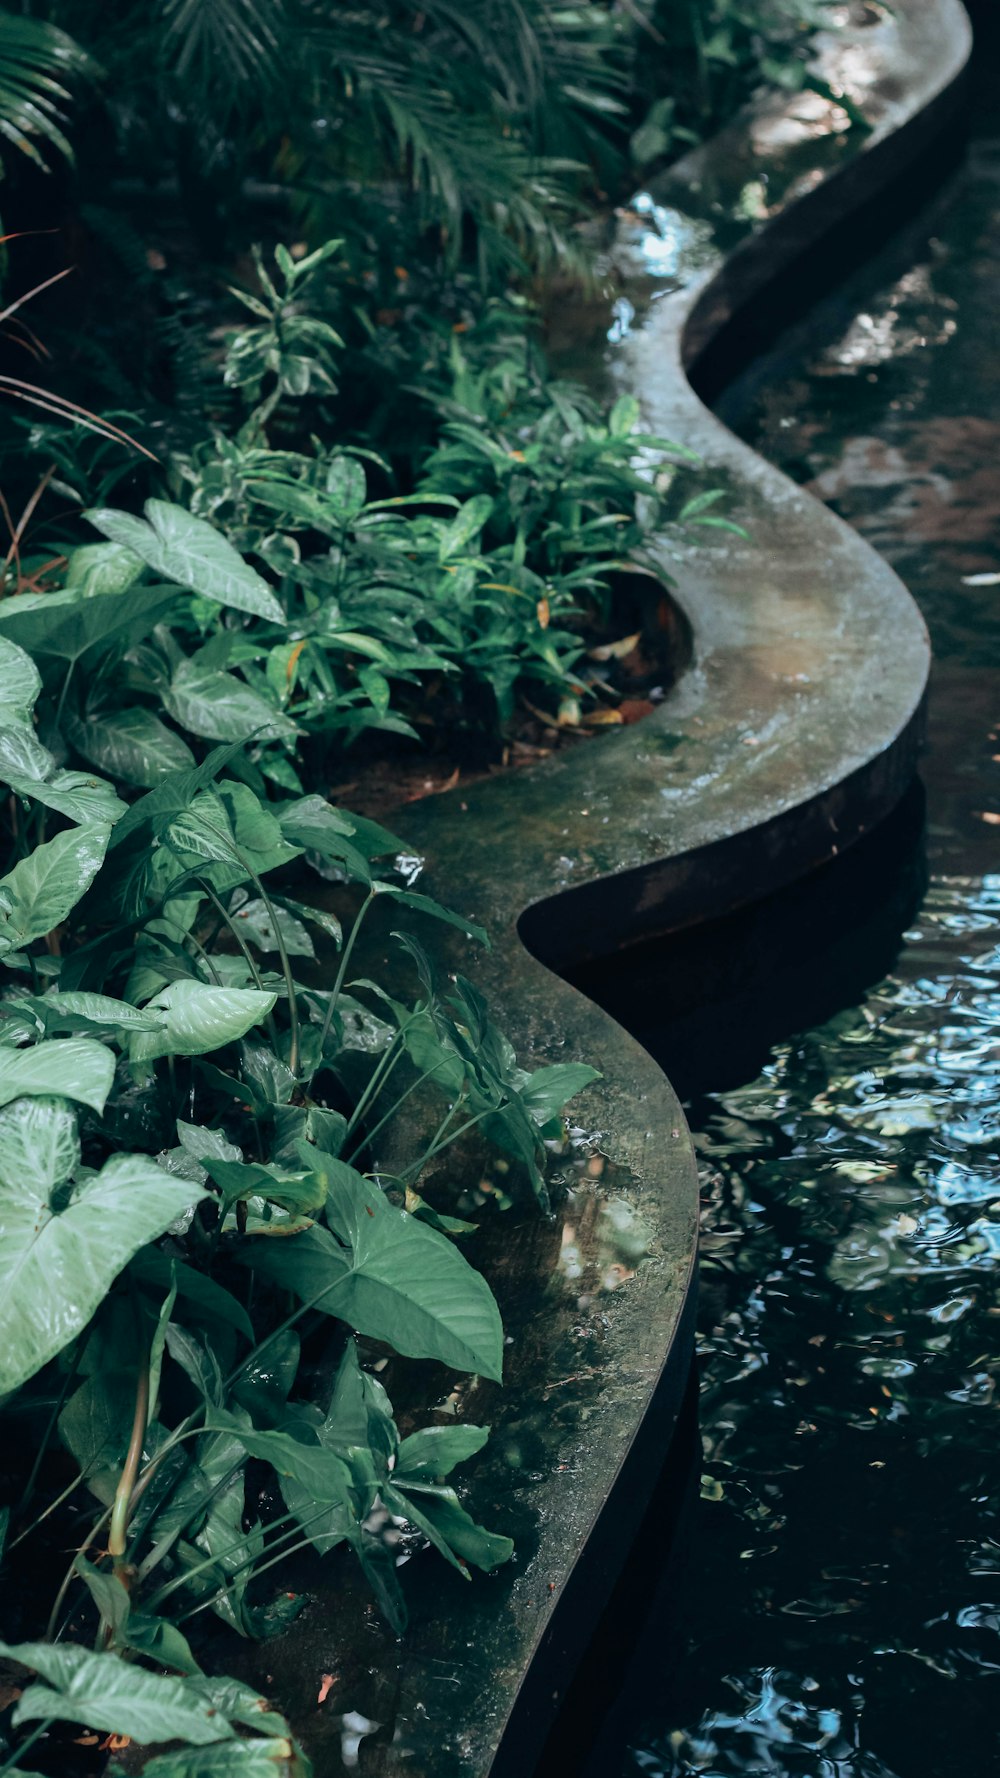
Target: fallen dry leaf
(636,709)
(615,651)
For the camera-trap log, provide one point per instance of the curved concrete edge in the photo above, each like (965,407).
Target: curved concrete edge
(797,729)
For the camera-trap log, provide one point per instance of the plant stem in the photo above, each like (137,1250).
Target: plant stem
(62,695)
(380,1075)
(202,952)
(69,1576)
(342,971)
(441,1141)
(50,1428)
(234,929)
(286,970)
(52,1507)
(182,1580)
(283,1556)
(118,1535)
(19,1752)
(394,1107)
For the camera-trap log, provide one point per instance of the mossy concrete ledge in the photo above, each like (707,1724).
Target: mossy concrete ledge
(795,729)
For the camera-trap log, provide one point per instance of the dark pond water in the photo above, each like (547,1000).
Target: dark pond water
(840,1610)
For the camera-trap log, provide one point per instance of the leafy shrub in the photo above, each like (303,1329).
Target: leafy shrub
(703,59)
(186,1103)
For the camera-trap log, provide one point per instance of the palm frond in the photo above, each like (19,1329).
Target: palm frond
(38,65)
(228,48)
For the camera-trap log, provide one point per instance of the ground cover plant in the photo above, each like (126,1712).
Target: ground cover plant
(193,1115)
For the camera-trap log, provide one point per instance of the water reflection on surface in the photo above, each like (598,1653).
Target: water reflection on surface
(842,1614)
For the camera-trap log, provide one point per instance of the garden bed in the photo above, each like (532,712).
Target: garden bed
(795,729)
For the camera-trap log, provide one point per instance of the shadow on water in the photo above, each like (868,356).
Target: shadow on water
(833,1607)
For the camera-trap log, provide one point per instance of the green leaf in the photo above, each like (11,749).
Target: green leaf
(39,1138)
(301,1193)
(133,745)
(106,1693)
(467,523)
(346,489)
(30,770)
(360,1413)
(435,1450)
(192,553)
(102,568)
(60,1253)
(426,905)
(310,822)
(169,798)
(254,920)
(238,1702)
(72,1067)
(624,416)
(67,624)
(198,1018)
(700,503)
(78,795)
(43,888)
(155,1637)
(73,1010)
(226,1536)
(440,1515)
(20,681)
(295,501)
(325,1476)
(323,921)
(222,707)
(299,1131)
(393,1279)
(198,1362)
(232,1759)
(96,1425)
(206,1299)
(548,1090)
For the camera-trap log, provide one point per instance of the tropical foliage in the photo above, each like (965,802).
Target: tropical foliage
(704,58)
(209,1150)
(266,500)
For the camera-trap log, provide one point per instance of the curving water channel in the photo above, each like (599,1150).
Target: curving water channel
(839,1615)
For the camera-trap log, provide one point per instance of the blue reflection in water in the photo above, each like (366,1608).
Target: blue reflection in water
(840,1616)
(851,1485)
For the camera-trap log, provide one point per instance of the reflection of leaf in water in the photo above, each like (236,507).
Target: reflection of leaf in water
(821,1607)
(864,1257)
(901,1115)
(622,1233)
